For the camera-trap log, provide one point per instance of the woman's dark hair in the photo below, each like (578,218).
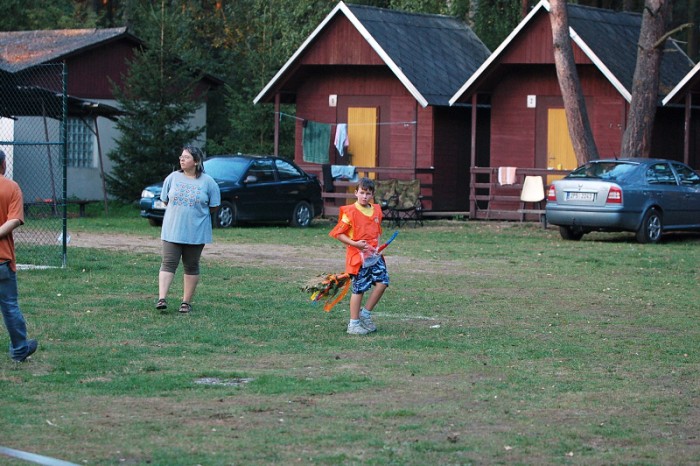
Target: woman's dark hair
(198,156)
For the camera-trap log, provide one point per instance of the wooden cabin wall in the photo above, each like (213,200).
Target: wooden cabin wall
(368,86)
(519,133)
(311,106)
(512,123)
(340,44)
(538,48)
(89,72)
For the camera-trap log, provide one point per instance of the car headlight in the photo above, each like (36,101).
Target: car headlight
(148,194)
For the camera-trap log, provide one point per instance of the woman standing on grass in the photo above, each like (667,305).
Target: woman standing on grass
(191,196)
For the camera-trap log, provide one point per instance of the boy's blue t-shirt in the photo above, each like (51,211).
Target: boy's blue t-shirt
(187,218)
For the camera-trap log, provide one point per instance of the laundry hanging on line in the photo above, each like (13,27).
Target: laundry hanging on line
(341,138)
(316,139)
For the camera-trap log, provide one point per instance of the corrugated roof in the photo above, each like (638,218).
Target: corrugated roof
(431,55)
(23,49)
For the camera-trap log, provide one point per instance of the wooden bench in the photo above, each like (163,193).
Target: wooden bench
(53,205)
(81,205)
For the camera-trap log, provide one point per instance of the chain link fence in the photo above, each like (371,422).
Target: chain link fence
(33,110)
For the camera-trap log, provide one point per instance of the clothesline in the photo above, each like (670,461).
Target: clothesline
(405,123)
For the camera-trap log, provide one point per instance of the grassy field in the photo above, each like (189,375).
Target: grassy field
(497,343)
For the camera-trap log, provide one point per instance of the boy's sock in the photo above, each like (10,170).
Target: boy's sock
(354,321)
(365,313)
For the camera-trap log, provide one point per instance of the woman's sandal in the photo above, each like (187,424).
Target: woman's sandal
(185,307)
(162,304)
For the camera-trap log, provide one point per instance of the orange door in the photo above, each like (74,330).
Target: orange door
(362,136)
(560,150)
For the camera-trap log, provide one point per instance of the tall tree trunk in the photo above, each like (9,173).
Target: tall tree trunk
(636,141)
(574,102)
(692,31)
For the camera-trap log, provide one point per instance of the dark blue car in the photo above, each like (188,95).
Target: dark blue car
(253,189)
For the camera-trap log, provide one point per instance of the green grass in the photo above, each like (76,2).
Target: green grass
(497,343)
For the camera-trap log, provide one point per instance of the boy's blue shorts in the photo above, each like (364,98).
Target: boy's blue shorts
(368,276)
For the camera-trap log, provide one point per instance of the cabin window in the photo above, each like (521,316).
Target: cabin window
(81,143)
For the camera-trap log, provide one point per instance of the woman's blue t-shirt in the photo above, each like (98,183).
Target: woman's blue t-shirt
(187,218)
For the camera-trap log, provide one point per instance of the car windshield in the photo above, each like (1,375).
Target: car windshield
(603,170)
(226,168)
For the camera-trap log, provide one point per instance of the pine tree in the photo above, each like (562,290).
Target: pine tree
(158,97)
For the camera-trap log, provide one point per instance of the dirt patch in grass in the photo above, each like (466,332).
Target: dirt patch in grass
(317,259)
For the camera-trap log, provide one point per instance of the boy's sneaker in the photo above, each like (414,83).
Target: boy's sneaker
(357,329)
(368,324)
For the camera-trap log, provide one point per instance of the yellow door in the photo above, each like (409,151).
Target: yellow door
(560,151)
(362,136)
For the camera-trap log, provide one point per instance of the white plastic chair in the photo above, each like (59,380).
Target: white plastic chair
(532,193)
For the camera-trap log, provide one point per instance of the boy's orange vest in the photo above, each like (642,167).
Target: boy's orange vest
(358,226)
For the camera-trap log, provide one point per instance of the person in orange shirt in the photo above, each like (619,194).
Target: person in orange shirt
(359,228)
(11,216)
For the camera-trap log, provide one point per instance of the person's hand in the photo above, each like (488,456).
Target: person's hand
(362,245)
(368,250)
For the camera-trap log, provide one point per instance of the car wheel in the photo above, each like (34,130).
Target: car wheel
(651,227)
(302,215)
(571,233)
(155,222)
(225,215)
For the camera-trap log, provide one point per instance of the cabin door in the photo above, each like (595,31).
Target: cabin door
(560,150)
(362,136)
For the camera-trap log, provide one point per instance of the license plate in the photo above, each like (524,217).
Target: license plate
(577,196)
(159,205)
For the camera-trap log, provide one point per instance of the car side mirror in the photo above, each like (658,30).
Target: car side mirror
(250,179)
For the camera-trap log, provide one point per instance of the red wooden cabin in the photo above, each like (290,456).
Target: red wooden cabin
(388,76)
(528,127)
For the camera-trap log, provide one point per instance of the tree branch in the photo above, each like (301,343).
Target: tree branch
(670,33)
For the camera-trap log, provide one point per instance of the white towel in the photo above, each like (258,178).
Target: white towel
(341,138)
(506,175)
(346,172)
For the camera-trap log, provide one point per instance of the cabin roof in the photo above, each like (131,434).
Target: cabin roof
(430,54)
(608,38)
(24,49)
(21,50)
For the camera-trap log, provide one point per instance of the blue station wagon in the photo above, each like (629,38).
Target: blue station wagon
(645,196)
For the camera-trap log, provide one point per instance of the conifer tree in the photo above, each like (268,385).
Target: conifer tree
(158,96)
